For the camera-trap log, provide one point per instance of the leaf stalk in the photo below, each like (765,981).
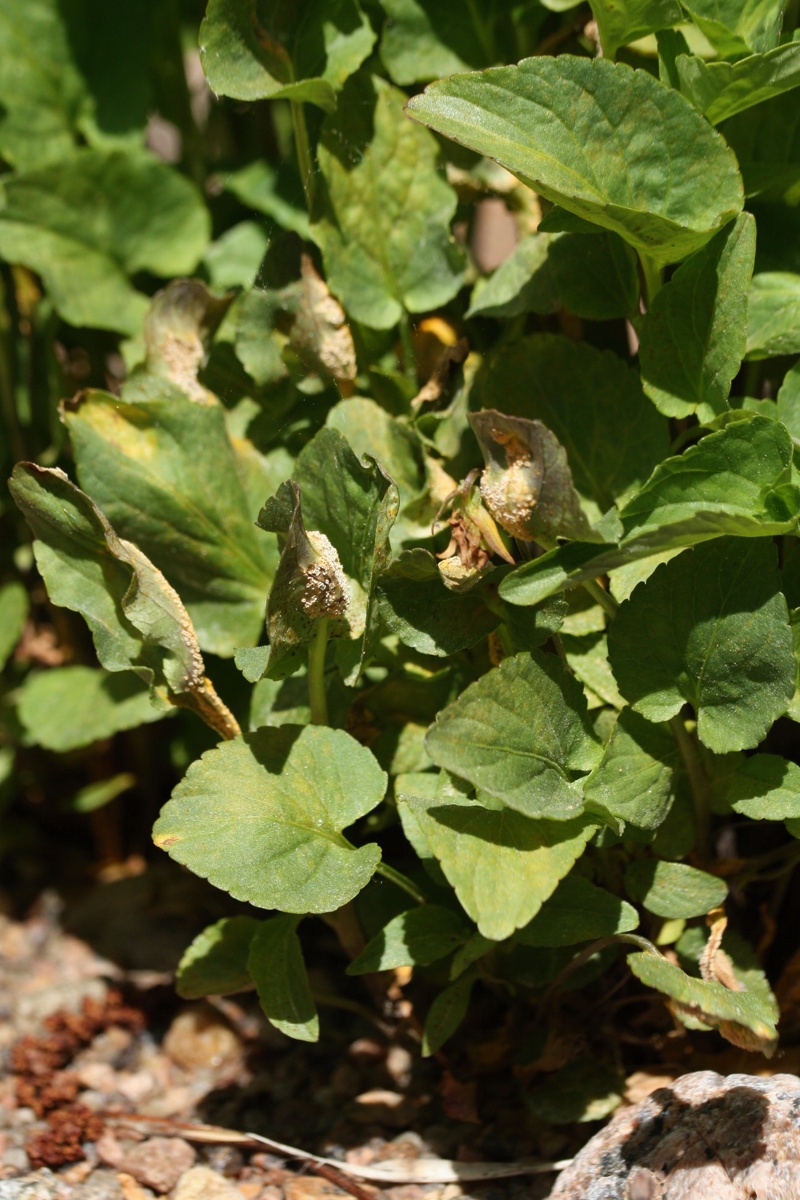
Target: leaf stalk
(317,699)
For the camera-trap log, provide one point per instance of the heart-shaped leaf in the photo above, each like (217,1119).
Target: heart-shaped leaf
(719,624)
(384,233)
(502,865)
(580,132)
(520,733)
(262,817)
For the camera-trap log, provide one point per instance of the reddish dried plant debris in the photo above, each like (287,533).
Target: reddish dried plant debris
(45,1095)
(62,1142)
(50,1091)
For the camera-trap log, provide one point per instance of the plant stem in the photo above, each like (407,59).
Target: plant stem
(602,597)
(316,674)
(407,342)
(698,781)
(651,275)
(203,700)
(401,881)
(303,152)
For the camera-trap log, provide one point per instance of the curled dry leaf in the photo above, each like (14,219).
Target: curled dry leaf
(320,334)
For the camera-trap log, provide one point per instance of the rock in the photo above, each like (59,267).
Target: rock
(159,1162)
(704,1137)
(131,1189)
(200,1038)
(201,1183)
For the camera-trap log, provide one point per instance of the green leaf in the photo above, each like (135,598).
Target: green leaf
(734,1013)
(96,795)
(234,259)
(275,963)
(413,938)
(68,707)
(256,51)
(633,780)
(42,92)
(737,27)
(789,401)
(274,191)
(69,71)
(414,604)
(721,89)
(577,912)
(261,816)
(765,787)
(747,970)
(384,231)
(396,448)
(524,282)
(88,223)
(587,656)
(711,628)
(520,733)
(586,1089)
(594,405)
(619,24)
(164,472)
(422,40)
(216,962)
(595,276)
(137,620)
(446,1013)
(735,482)
(673,889)
(502,865)
(13,615)
(774,315)
(576,130)
(765,141)
(693,338)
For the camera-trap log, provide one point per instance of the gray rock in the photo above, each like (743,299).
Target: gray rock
(706,1137)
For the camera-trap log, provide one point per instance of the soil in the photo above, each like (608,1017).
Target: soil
(106,1074)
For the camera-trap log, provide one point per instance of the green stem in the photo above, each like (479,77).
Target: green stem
(316,674)
(484,32)
(407,342)
(303,148)
(8,406)
(401,881)
(698,781)
(601,596)
(651,274)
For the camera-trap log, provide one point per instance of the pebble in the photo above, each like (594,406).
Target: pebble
(199,1038)
(201,1183)
(703,1137)
(159,1162)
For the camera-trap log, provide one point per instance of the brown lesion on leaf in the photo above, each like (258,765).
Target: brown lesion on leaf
(474,537)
